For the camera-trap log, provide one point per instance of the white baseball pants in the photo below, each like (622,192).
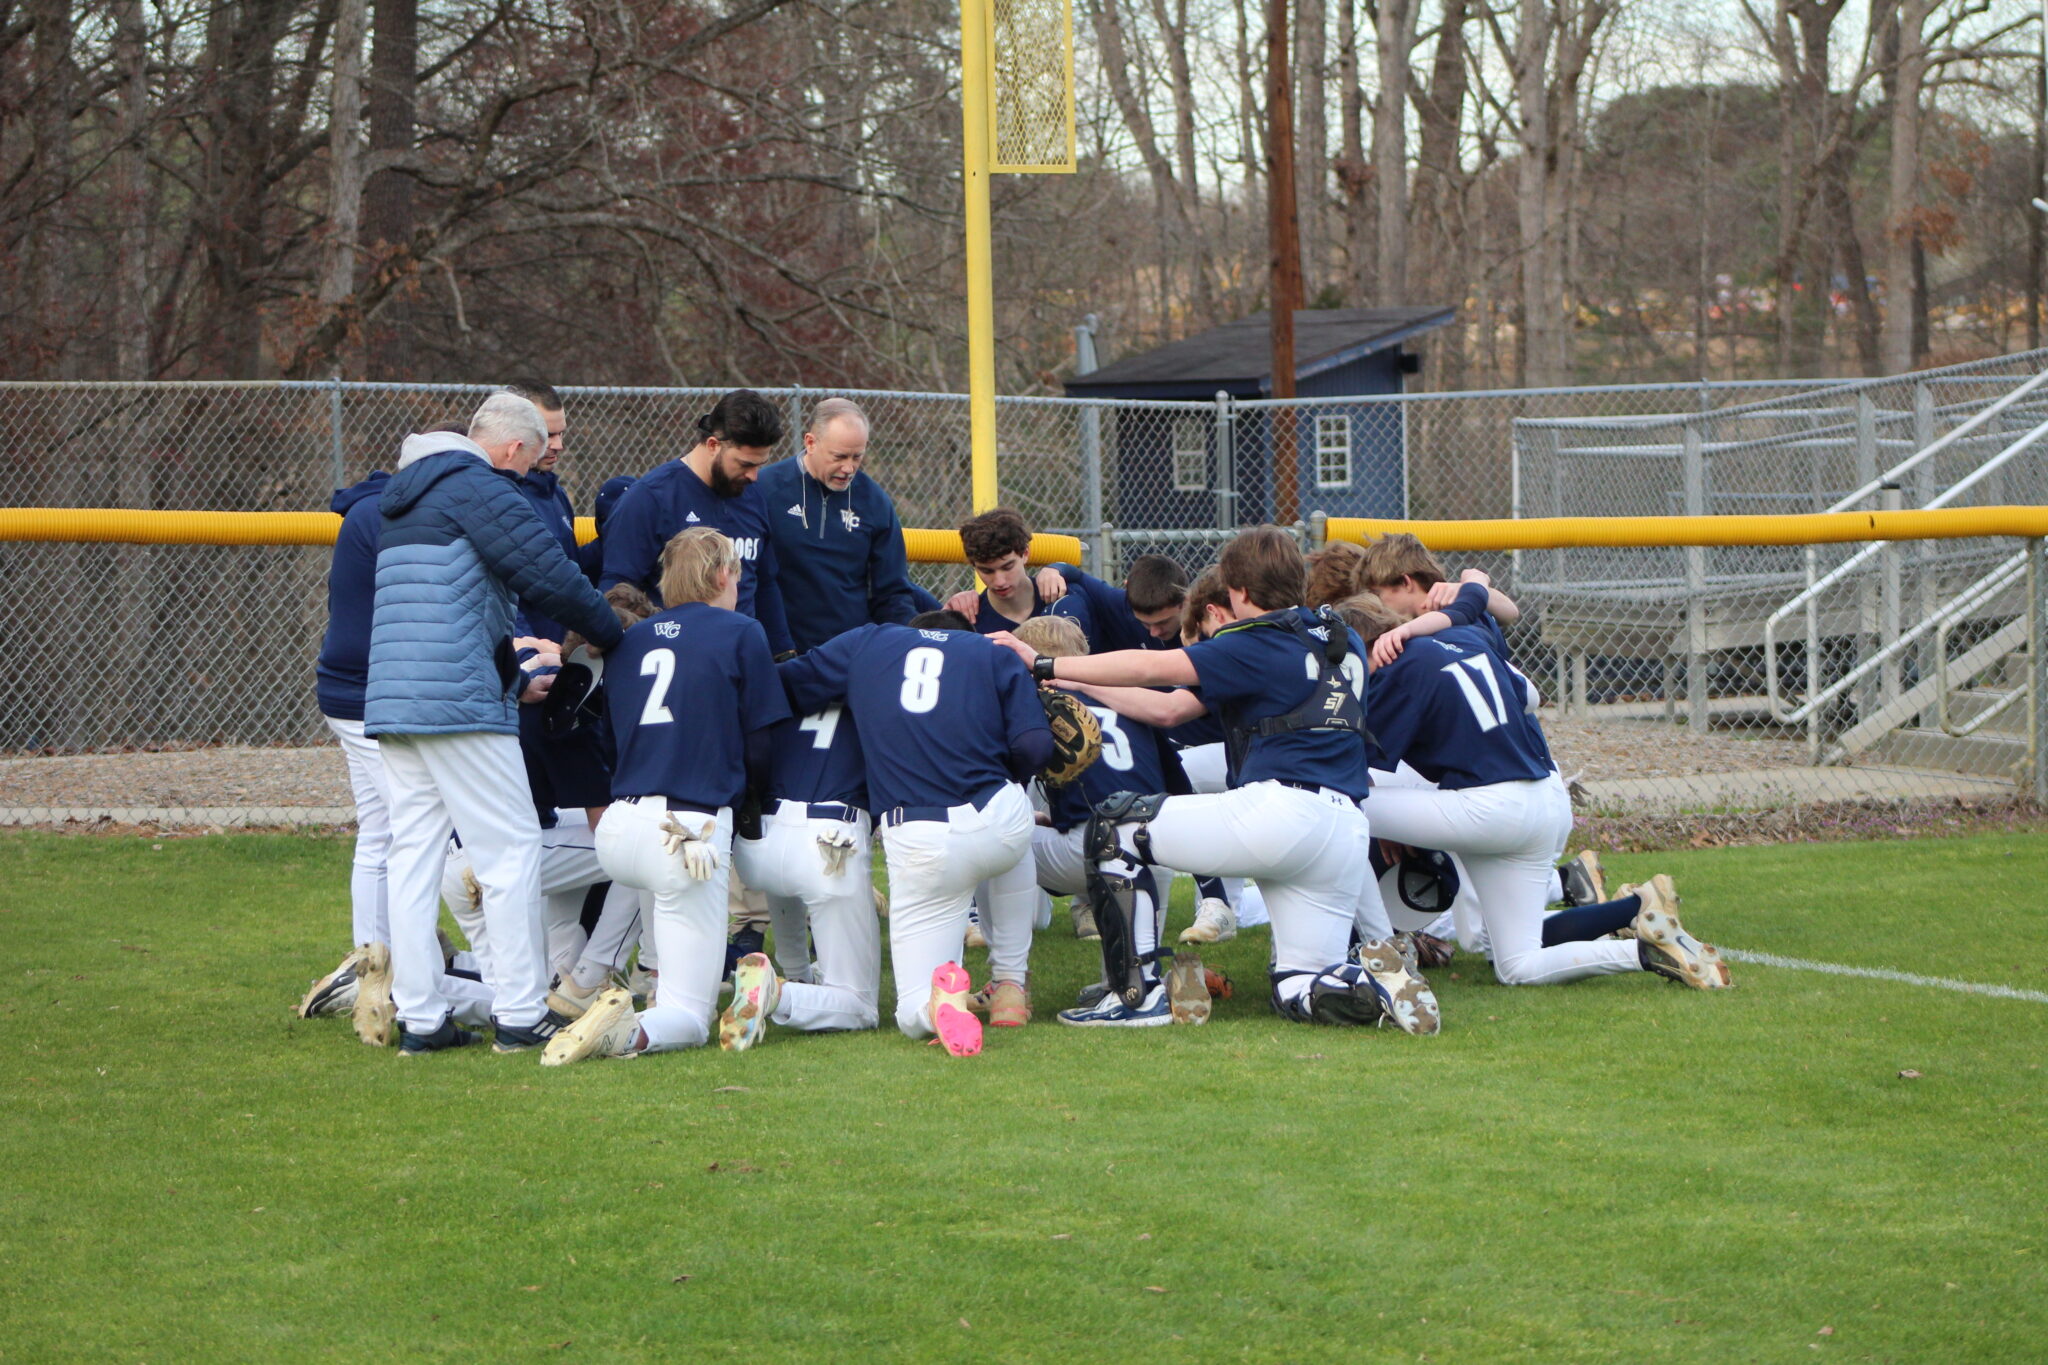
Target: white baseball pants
(934,866)
(568,868)
(1207,768)
(1508,837)
(788,867)
(1306,850)
(369,908)
(475,781)
(689,915)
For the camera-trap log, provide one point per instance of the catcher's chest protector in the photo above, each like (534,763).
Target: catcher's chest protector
(1331,704)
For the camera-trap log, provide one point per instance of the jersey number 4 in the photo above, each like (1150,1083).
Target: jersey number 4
(1487,708)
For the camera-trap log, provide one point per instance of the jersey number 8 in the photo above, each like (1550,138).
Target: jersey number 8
(921,669)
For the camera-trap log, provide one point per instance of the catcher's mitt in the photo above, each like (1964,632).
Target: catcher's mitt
(1076,736)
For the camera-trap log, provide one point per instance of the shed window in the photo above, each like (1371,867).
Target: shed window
(1333,452)
(1190,454)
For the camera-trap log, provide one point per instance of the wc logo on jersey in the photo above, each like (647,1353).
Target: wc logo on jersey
(850,517)
(746,547)
(667,630)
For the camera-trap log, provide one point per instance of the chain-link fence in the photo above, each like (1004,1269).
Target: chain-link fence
(1664,691)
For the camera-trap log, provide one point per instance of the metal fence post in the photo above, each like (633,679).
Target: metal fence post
(337,461)
(2037,673)
(1318,530)
(1091,460)
(1695,586)
(1867,605)
(796,417)
(1226,462)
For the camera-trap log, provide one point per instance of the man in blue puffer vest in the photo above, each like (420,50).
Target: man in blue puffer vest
(460,545)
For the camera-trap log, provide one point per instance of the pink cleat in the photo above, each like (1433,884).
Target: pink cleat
(959,1031)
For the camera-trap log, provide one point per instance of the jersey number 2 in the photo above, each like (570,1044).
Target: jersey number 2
(1490,711)
(659,664)
(921,669)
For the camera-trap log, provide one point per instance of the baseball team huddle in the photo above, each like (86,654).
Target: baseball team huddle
(627,766)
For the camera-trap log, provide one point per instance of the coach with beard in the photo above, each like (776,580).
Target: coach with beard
(713,485)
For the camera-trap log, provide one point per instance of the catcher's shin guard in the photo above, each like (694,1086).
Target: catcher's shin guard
(1116,878)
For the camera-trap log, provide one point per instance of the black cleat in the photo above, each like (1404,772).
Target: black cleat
(442,1039)
(515,1038)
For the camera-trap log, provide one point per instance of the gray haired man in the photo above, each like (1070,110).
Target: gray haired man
(460,545)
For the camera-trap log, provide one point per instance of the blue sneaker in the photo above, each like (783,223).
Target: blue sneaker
(442,1039)
(517,1038)
(1111,1012)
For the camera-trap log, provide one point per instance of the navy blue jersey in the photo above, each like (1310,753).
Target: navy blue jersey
(988,620)
(1470,609)
(839,558)
(543,491)
(673,499)
(1134,759)
(818,758)
(1453,709)
(939,711)
(683,689)
(1252,672)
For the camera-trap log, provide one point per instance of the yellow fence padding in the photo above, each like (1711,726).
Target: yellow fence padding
(113,526)
(1811,528)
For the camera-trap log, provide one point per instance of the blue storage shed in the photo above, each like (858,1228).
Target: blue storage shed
(1352,457)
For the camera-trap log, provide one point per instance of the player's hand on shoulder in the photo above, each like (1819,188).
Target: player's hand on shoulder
(966,602)
(1478,576)
(1388,647)
(1013,644)
(1442,594)
(1051,585)
(537,688)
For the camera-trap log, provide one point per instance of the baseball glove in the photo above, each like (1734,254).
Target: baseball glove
(1076,736)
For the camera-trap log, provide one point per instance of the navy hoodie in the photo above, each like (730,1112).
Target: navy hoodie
(344,667)
(543,490)
(839,556)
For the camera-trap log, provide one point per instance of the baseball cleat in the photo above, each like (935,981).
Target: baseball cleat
(1111,1012)
(1343,996)
(1411,957)
(959,1032)
(1089,994)
(755,993)
(525,1037)
(881,899)
(472,890)
(974,937)
(445,1038)
(1582,880)
(1187,989)
(639,983)
(1005,1004)
(609,1028)
(1405,997)
(1663,945)
(373,1014)
(1215,922)
(570,1000)
(334,993)
(1084,920)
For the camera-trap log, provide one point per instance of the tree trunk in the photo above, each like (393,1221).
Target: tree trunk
(1440,185)
(1312,137)
(132,358)
(1284,260)
(52,279)
(1353,174)
(1542,349)
(344,161)
(1902,292)
(1395,40)
(387,224)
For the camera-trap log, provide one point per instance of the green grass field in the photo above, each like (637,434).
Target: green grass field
(1618,1170)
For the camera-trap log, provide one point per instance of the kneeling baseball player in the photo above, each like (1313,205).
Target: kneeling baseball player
(1290,687)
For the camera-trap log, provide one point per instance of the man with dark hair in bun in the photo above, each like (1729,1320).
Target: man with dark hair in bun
(713,485)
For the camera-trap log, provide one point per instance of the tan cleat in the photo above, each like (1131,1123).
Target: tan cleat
(975,938)
(1005,1004)
(374,1016)
(1215,922)
(1187,989)
(1084,920)
(1666,948)
(609,1028)
(334,993)
(472,890)
(570,1000)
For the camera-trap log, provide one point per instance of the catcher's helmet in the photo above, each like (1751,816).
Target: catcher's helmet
(577,698)
(1417,888)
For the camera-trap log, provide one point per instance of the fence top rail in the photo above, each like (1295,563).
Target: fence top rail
(1809,528)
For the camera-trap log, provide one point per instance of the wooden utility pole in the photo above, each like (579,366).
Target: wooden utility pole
(1283,231)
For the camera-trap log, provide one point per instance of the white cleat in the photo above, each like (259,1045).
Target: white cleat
(374,1016)
(1667,949)
(1406,1001)
(609,1028)
(1215,922)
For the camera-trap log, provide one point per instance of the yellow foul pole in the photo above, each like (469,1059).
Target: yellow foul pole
(981,316)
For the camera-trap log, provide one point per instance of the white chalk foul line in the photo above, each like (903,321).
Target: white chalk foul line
(1886,974)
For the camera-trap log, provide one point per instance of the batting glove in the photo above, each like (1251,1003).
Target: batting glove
(699,854)
(834,848)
